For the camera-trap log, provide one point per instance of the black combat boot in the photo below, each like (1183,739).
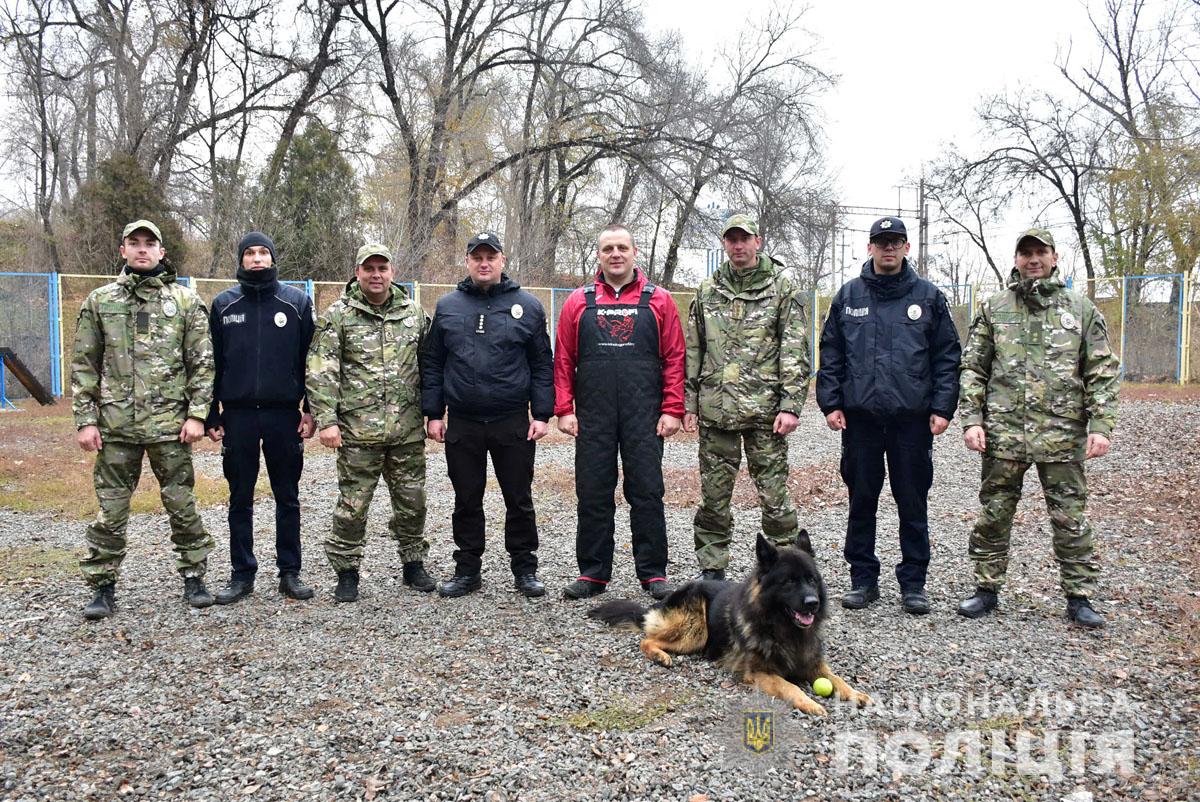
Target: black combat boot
(103,605)
(235,591)
(1080,611)
(460,585)
(417,578)
(347,586)
(982,603)
(860,596)
(529,585)
(195,594)
(915,601)
(291,586)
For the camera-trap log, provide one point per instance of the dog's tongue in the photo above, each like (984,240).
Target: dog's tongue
(804,619)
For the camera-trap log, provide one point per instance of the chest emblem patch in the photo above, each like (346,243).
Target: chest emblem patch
(409,322)
(280,319)
(618,329)
(1068,321)
(914,312)
(169,308)
(518,311)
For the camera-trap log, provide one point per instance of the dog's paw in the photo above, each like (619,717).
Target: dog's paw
(861,699)
(662,658)
(810,707)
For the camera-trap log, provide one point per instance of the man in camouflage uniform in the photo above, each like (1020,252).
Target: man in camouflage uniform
(364,387)
(1039,386)
(746,380)
(141,383)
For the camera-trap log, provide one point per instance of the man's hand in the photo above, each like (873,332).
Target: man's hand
(88,438)
(785,424)
(691,422)
(975,439)
(1097,445)
(568,424)
(331,436)
(193,430)
(667,425)
(308,426)
(836,420)
(937,424)
(537,430)
(436,430)
(216,434)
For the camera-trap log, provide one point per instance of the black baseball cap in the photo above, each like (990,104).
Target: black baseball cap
(888,225)
(488,238)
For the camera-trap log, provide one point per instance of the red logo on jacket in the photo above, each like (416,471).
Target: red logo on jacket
(619,329)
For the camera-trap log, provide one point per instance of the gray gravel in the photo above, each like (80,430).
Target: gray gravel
(494,697)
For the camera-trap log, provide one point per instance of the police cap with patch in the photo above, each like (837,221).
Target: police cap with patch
(743,221)
(1040,234)
(888,225)
(488,238)
(146,224)
(372,249)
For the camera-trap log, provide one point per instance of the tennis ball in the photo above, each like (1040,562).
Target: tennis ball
(822,686)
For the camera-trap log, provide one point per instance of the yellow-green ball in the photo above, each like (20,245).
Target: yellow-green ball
(822,686)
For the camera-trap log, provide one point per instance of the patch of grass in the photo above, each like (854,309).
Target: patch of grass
(43,470)
(623,714)
(20,563)
(997,723)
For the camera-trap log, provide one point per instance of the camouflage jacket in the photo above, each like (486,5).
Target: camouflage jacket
(143,359)
(1038,373)
(363,373)
(747,348)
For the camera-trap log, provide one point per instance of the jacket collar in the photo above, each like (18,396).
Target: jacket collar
(145,286)
(1037,293)
(389,309)
(258,283)
(505,284)
(749,285)
(633,288)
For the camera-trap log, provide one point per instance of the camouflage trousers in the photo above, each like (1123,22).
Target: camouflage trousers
(1065,488)
(359,468)
(116,474)
(720,460)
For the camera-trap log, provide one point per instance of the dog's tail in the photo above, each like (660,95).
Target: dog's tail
(621,613)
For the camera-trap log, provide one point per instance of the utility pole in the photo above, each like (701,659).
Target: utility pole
(842,271)
(923,231)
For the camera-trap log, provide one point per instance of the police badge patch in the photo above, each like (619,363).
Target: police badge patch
(1068,321)
(280,319)
(517,311)
(169,308)
(914,312)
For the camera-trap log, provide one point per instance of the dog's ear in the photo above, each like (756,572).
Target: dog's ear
(803,543)
(767,553)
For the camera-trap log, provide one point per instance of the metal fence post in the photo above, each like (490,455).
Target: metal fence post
(1185,373)
(54,312)
(1124,303)
(814,345)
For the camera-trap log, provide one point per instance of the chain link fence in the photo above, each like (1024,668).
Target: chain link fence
(1153,321)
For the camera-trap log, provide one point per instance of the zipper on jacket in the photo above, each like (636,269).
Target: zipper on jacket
(258,354)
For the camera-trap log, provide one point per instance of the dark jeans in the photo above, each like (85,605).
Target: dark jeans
(468,443)
(275,431)
(907,445)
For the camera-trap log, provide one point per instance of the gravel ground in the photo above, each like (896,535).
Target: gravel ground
(494,696)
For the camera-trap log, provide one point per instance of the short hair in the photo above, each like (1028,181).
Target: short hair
(611,227)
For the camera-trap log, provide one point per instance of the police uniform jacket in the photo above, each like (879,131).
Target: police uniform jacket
(889,348)
(261,332)
(488,355)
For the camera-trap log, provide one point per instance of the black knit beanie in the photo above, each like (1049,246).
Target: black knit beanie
(256,238)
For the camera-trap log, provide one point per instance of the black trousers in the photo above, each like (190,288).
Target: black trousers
(907,445)
(468,443)
(275,431)
(601,438)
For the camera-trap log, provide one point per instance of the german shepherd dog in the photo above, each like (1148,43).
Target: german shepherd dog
(765,630)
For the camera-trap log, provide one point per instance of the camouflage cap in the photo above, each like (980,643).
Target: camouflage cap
(743,221)
(146,224)
(372,249)
(1040,234)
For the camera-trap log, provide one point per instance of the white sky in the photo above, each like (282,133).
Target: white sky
(910,77)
